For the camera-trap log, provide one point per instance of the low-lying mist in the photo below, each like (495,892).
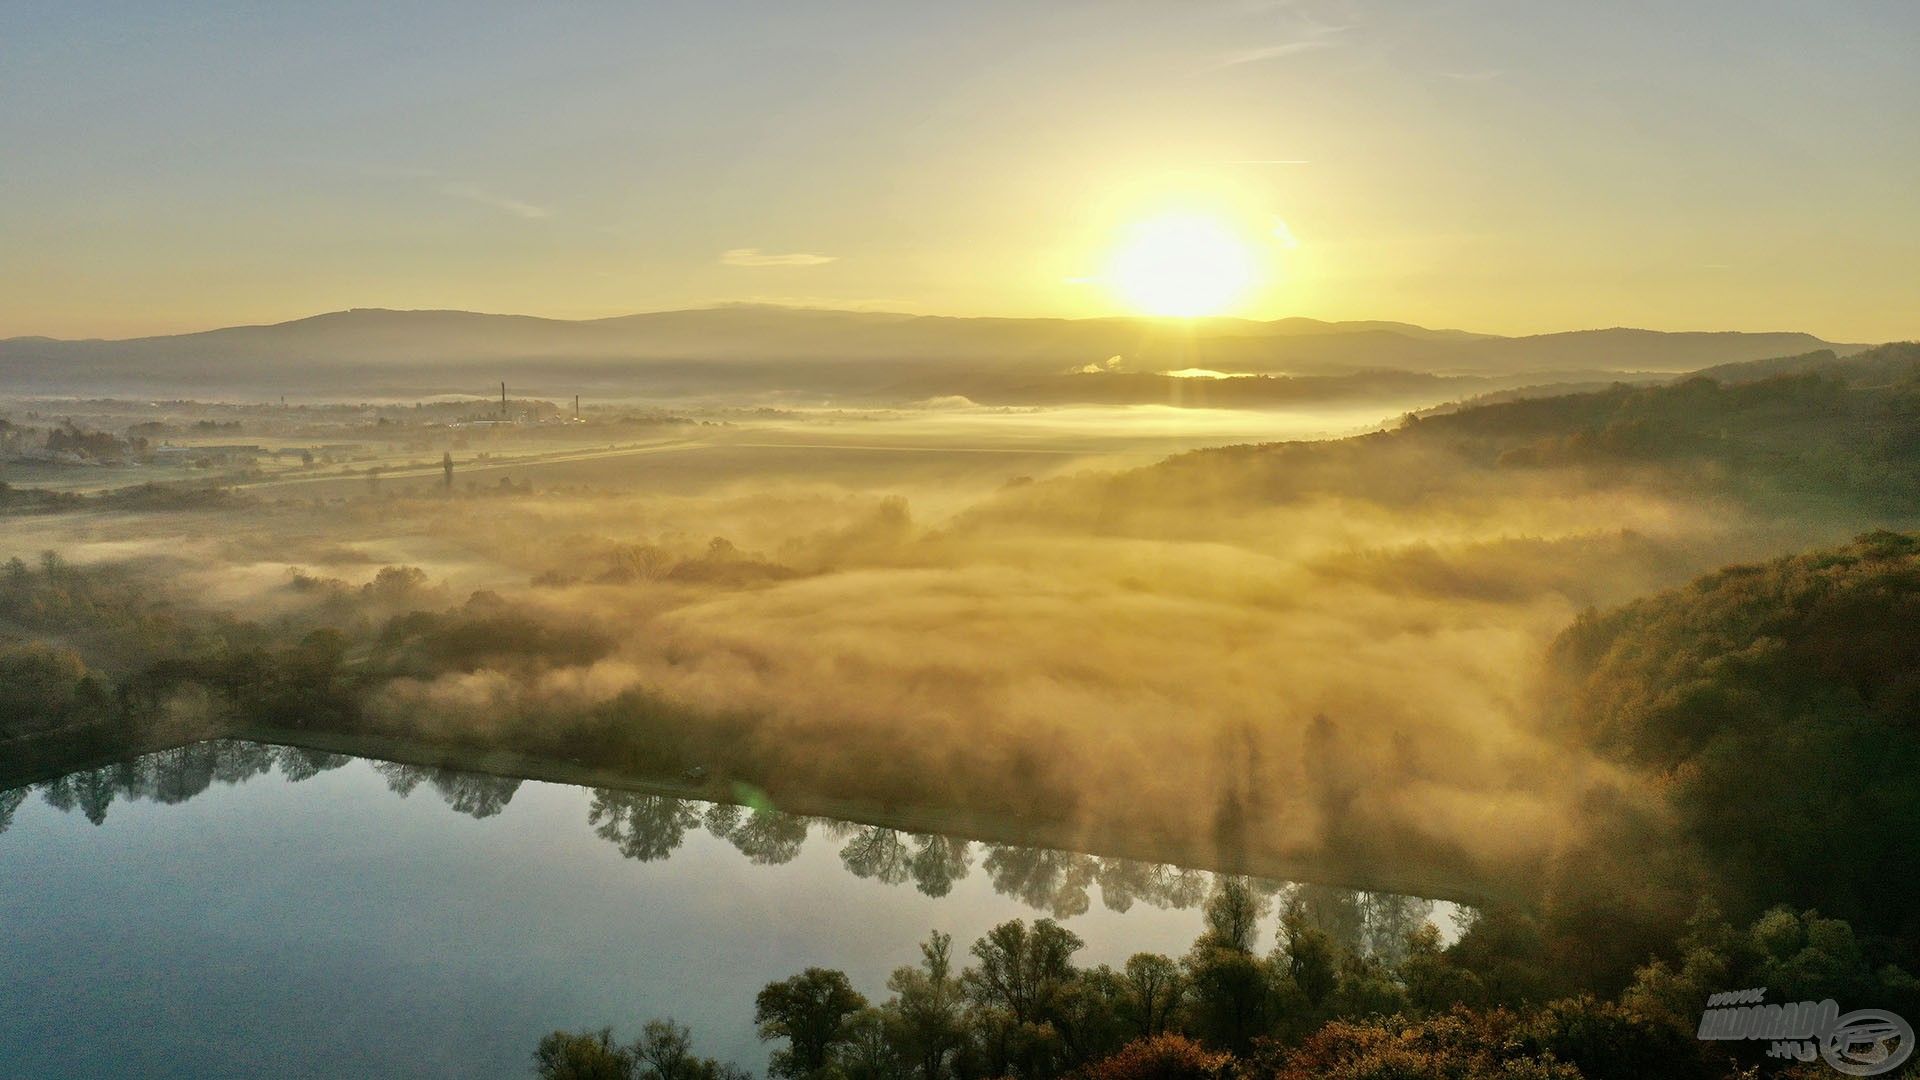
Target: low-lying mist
(1331,665)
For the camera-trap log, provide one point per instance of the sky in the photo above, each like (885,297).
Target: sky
(1508,166)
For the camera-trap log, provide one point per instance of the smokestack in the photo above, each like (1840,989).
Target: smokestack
(503,399)
(576,406)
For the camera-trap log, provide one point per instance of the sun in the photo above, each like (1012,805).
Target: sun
(1182,264)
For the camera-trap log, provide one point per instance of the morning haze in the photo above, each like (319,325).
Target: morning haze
(1507,167)
(1128,541)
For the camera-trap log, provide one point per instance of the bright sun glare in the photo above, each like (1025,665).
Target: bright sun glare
(1182,264)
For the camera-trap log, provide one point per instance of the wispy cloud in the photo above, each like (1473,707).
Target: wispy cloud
(476,194)
(1484,75)
(1300,31)
(1275,52)
(754,257)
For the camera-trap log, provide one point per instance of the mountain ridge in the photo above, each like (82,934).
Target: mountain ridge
(770,348)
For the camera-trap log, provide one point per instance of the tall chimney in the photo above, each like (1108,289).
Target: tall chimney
(503,399)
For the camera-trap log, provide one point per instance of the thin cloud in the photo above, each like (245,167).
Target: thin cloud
(754,257)
(476,194)
(1264,161)
(1300,33)
(1274,52)
(1484,75)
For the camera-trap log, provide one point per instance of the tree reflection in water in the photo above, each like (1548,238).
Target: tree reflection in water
(649,828)
(9,802)
(932,862)
(479,795)
(643,827)
(769,837)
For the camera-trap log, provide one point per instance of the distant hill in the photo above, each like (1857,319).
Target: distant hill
(1835,444)
(762,349)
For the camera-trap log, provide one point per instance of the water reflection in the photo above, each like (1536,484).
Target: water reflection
(10,801)
(649,828)
(477,795)
(930,861)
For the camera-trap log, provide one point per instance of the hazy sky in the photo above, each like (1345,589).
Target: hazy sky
(1502,165)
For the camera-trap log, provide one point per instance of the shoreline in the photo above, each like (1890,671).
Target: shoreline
(60,754)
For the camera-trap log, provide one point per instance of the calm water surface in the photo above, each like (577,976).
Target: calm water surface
(233,910)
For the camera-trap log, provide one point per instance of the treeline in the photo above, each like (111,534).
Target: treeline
(1489,1005)
(147,496)
(1837,432)
(117,647)
(111,644)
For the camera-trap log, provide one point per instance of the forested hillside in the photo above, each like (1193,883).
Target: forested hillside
(1844,437)
(1778,708)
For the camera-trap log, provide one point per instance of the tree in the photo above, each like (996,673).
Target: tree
(1366,987)
(869,1051)
(1307,955)
(926,1012)
(1091,1015)
(1673,994)
(810,1011)
(1231,998)
(1023,971)
(1233,915)
(1504,950)
(1019,992)
(1231,995)
(1434,982)
(583,1055)
(1155,988)
(664,1051)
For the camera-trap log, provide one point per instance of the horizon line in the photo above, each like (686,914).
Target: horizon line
(722,305)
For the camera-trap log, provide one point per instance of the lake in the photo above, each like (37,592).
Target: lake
(232,909)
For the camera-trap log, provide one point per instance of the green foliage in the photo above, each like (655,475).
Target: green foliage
(1775,703)
(585,1055)
(1608,1041)
(926,1015)
(44,687)
(1024,997)
(1308,956)
(1155,989)
(813,1012)
(1324,1005)
(1795,955)
(664,1051)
